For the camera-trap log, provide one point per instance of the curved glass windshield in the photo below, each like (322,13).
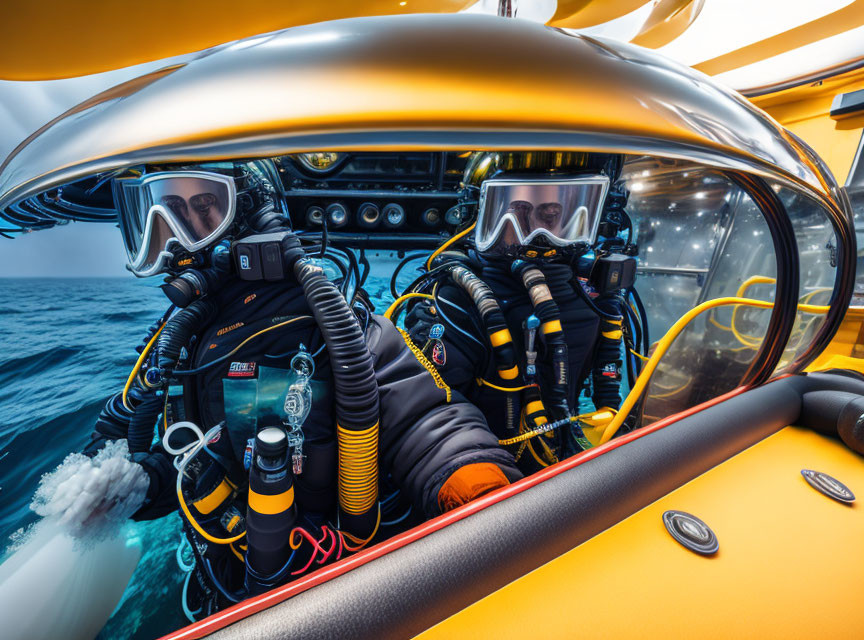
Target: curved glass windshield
(700,237)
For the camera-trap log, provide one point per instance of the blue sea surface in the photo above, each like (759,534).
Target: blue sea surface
(66,345)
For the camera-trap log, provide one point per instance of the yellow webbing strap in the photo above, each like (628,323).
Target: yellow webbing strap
(358,469)
(612,335)
(534,407)
(197,526)
(422,359)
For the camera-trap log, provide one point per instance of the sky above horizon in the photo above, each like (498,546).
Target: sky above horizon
(75,250)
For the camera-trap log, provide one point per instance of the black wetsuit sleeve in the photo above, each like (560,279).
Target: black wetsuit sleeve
(161,498)
(465,356)
(606,373)
(424,435)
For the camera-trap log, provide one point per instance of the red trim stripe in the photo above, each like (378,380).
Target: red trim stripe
(259,603)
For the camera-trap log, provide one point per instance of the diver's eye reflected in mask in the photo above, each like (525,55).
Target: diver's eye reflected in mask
(203,202)
(548,215)
(521,209)
(177,206)
(196,212)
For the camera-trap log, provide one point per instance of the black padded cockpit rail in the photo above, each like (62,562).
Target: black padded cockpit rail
(414,587)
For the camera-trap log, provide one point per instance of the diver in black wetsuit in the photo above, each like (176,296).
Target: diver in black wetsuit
(531,315)
(283,406)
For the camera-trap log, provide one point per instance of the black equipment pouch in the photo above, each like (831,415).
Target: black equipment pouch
(613,272)
(259,257)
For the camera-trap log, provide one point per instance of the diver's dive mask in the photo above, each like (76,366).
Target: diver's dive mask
(165,213)
(534,217)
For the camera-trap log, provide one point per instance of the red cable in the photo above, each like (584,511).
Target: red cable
(341,547)
(309,539)
(325,558)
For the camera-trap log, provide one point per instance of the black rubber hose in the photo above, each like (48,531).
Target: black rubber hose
(178,332)
(356,389)
(411,256)
(838,413)
(140,434)
(113,421)
(356,398)
(266,219)
(546,309)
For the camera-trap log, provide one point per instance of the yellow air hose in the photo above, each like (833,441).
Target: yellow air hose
(449,243)
(666,341)
(398,302)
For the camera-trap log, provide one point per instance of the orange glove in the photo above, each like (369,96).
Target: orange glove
(469,482)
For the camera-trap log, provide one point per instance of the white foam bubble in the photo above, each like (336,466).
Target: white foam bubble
(92,497)
(69,570)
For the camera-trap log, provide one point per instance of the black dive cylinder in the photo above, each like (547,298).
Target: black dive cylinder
(271,511)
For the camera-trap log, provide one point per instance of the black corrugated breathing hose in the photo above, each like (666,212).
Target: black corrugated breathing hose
(355,391)
(178,332)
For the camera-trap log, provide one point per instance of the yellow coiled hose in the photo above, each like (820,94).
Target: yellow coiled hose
(358,469)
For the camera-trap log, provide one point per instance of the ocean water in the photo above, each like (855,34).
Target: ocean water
(66,345)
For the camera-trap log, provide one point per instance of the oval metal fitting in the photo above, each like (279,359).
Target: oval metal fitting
(831,487)
(691,532)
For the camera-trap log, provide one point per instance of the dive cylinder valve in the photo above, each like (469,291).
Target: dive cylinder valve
(271,511)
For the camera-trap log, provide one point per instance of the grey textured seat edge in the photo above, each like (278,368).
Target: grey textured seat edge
(409,590)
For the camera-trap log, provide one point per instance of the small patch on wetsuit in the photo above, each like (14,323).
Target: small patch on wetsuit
(439,353)
(241,370)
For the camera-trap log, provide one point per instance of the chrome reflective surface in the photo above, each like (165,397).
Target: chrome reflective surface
(690,532)
(829,486)
(420,82)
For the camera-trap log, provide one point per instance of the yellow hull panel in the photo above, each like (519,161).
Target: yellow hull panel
(790,564)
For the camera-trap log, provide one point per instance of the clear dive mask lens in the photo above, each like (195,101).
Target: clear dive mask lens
(189,208)
(516,212)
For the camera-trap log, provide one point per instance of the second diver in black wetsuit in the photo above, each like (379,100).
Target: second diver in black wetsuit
(530,316)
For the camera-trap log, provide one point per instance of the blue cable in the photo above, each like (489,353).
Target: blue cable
(397,520)
(190,615)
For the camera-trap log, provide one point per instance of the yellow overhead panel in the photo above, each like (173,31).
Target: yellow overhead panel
(580,14)
(840,21)
(50,39)
(805,110)
(790,563)
(668,20)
